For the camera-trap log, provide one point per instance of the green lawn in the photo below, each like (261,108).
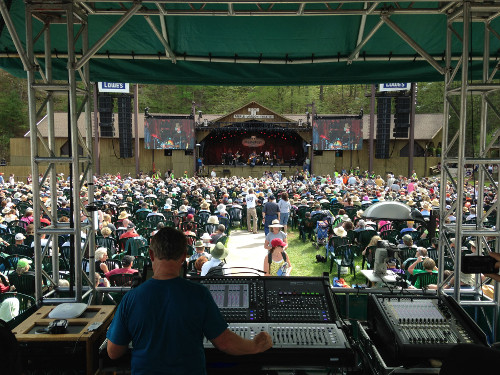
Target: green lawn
(303,258)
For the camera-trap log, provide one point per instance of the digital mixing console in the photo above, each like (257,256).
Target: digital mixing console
(416,327)
(298,313)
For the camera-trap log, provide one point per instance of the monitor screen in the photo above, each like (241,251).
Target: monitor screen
(338,134)
(169,133)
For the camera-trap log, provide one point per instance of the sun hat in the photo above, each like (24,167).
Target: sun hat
(275,224)
(219,251)
(204,206)
(123,215)
(206,236)
(340,231)
(213,220)
(23,262)
(199,243)
(345,217)
(277,242)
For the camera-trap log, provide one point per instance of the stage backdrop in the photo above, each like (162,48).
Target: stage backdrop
(169,133)
(338,133)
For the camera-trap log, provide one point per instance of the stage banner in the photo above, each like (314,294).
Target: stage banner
(338,133)
(168,133)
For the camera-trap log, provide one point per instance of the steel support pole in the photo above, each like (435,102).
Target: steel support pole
(444,147)
(34,152)
(97,143)
(372,129)
(74,147)
(461,145)
(411,148)
(136,128)
(92,217)
(52,146)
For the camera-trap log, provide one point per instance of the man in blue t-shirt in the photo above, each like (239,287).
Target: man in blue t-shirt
(166,318)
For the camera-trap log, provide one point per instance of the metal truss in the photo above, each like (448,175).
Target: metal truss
(42,10)
(44,159)
(458,104)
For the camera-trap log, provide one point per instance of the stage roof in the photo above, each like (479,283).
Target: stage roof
(249,43)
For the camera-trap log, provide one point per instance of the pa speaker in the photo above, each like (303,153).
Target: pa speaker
(125,126)
(383,127)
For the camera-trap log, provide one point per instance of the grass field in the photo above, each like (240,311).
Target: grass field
(303,258)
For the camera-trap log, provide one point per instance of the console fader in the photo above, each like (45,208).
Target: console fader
(298,313)
(416,327)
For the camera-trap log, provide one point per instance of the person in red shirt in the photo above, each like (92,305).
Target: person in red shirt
(130,232)
(127,262)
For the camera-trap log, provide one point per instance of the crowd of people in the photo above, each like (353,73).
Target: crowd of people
(184,223)
(272,202)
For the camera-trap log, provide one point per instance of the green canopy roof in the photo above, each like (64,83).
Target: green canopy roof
(245,43)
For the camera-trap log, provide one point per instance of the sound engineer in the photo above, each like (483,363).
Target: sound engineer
(166,318)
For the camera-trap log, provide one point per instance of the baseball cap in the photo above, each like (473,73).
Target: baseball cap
(278,242)
(19,237)
(23,262)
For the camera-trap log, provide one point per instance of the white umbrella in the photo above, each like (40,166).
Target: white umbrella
(389,210)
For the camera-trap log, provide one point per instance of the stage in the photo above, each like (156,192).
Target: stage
(244,170)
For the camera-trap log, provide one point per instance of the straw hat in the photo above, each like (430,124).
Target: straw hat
(345,217)
(355,198)
(123,215)
(199,243)
(340,231)
(275,224)
(360,213)
(410,202)
(219,251)
(435,202)
(213,220)
(204,205)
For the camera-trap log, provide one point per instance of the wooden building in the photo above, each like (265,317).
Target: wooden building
(212,131)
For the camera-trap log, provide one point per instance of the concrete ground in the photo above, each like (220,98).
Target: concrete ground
(245,250)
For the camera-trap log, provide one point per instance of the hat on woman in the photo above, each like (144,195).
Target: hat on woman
(183,208)
(219,251)
(123,215)
(340,231)
(275,224)
(277,242)
(345,217)
(205,236)
(204,205)
(213,220)
(435,202)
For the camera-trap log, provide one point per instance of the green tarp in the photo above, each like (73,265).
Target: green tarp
(280,38)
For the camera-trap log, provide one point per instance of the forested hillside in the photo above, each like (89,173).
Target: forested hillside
(347,99)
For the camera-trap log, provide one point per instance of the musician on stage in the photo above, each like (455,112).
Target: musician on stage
(167,333)
(252,159)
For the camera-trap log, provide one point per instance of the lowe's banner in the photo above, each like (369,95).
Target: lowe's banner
(114,87)
(394,86)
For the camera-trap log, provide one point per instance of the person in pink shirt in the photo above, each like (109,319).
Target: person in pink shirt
(127,262)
